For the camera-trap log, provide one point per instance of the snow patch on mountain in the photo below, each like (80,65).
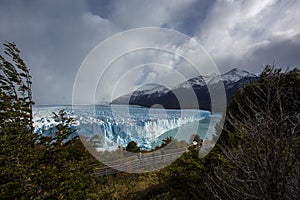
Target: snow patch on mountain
(233,75)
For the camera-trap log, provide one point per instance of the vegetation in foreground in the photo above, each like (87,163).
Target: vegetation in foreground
(256,157)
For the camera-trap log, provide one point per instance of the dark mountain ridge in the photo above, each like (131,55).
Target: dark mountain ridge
(191,94)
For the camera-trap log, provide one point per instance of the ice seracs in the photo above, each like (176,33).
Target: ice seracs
(116,127)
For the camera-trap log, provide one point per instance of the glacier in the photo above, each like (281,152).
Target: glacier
(116,126)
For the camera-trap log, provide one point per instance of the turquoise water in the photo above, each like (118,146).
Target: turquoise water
(118,125)
(189,129)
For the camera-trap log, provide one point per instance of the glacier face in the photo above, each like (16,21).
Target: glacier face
(116,126)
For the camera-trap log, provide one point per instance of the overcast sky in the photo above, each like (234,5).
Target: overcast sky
(56,36)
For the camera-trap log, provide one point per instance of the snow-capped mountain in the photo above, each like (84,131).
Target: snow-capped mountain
(193,81)
(233,75)
(157,94)
(150,88)
(148,91)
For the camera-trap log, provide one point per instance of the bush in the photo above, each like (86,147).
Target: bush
(132,147)
(34,167)
(260,143)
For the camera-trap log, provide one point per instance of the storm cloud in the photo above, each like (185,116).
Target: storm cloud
(56,36)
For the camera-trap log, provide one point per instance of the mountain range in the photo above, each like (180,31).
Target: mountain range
(154,95)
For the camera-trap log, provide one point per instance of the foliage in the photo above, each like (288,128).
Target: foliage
(63,133)
(64,167)
(17,140)
(15,89)
(260,145)
(33,166)
(186,174)
(132,147)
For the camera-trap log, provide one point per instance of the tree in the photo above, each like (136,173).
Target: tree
(132,147)
(37,166)
(64,168)
(260,143)
(15,89)
(17,140)
(63,133)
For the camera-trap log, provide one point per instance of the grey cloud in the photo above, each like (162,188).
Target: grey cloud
(235,33)
(283,52)
(181,15)
(55,36)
